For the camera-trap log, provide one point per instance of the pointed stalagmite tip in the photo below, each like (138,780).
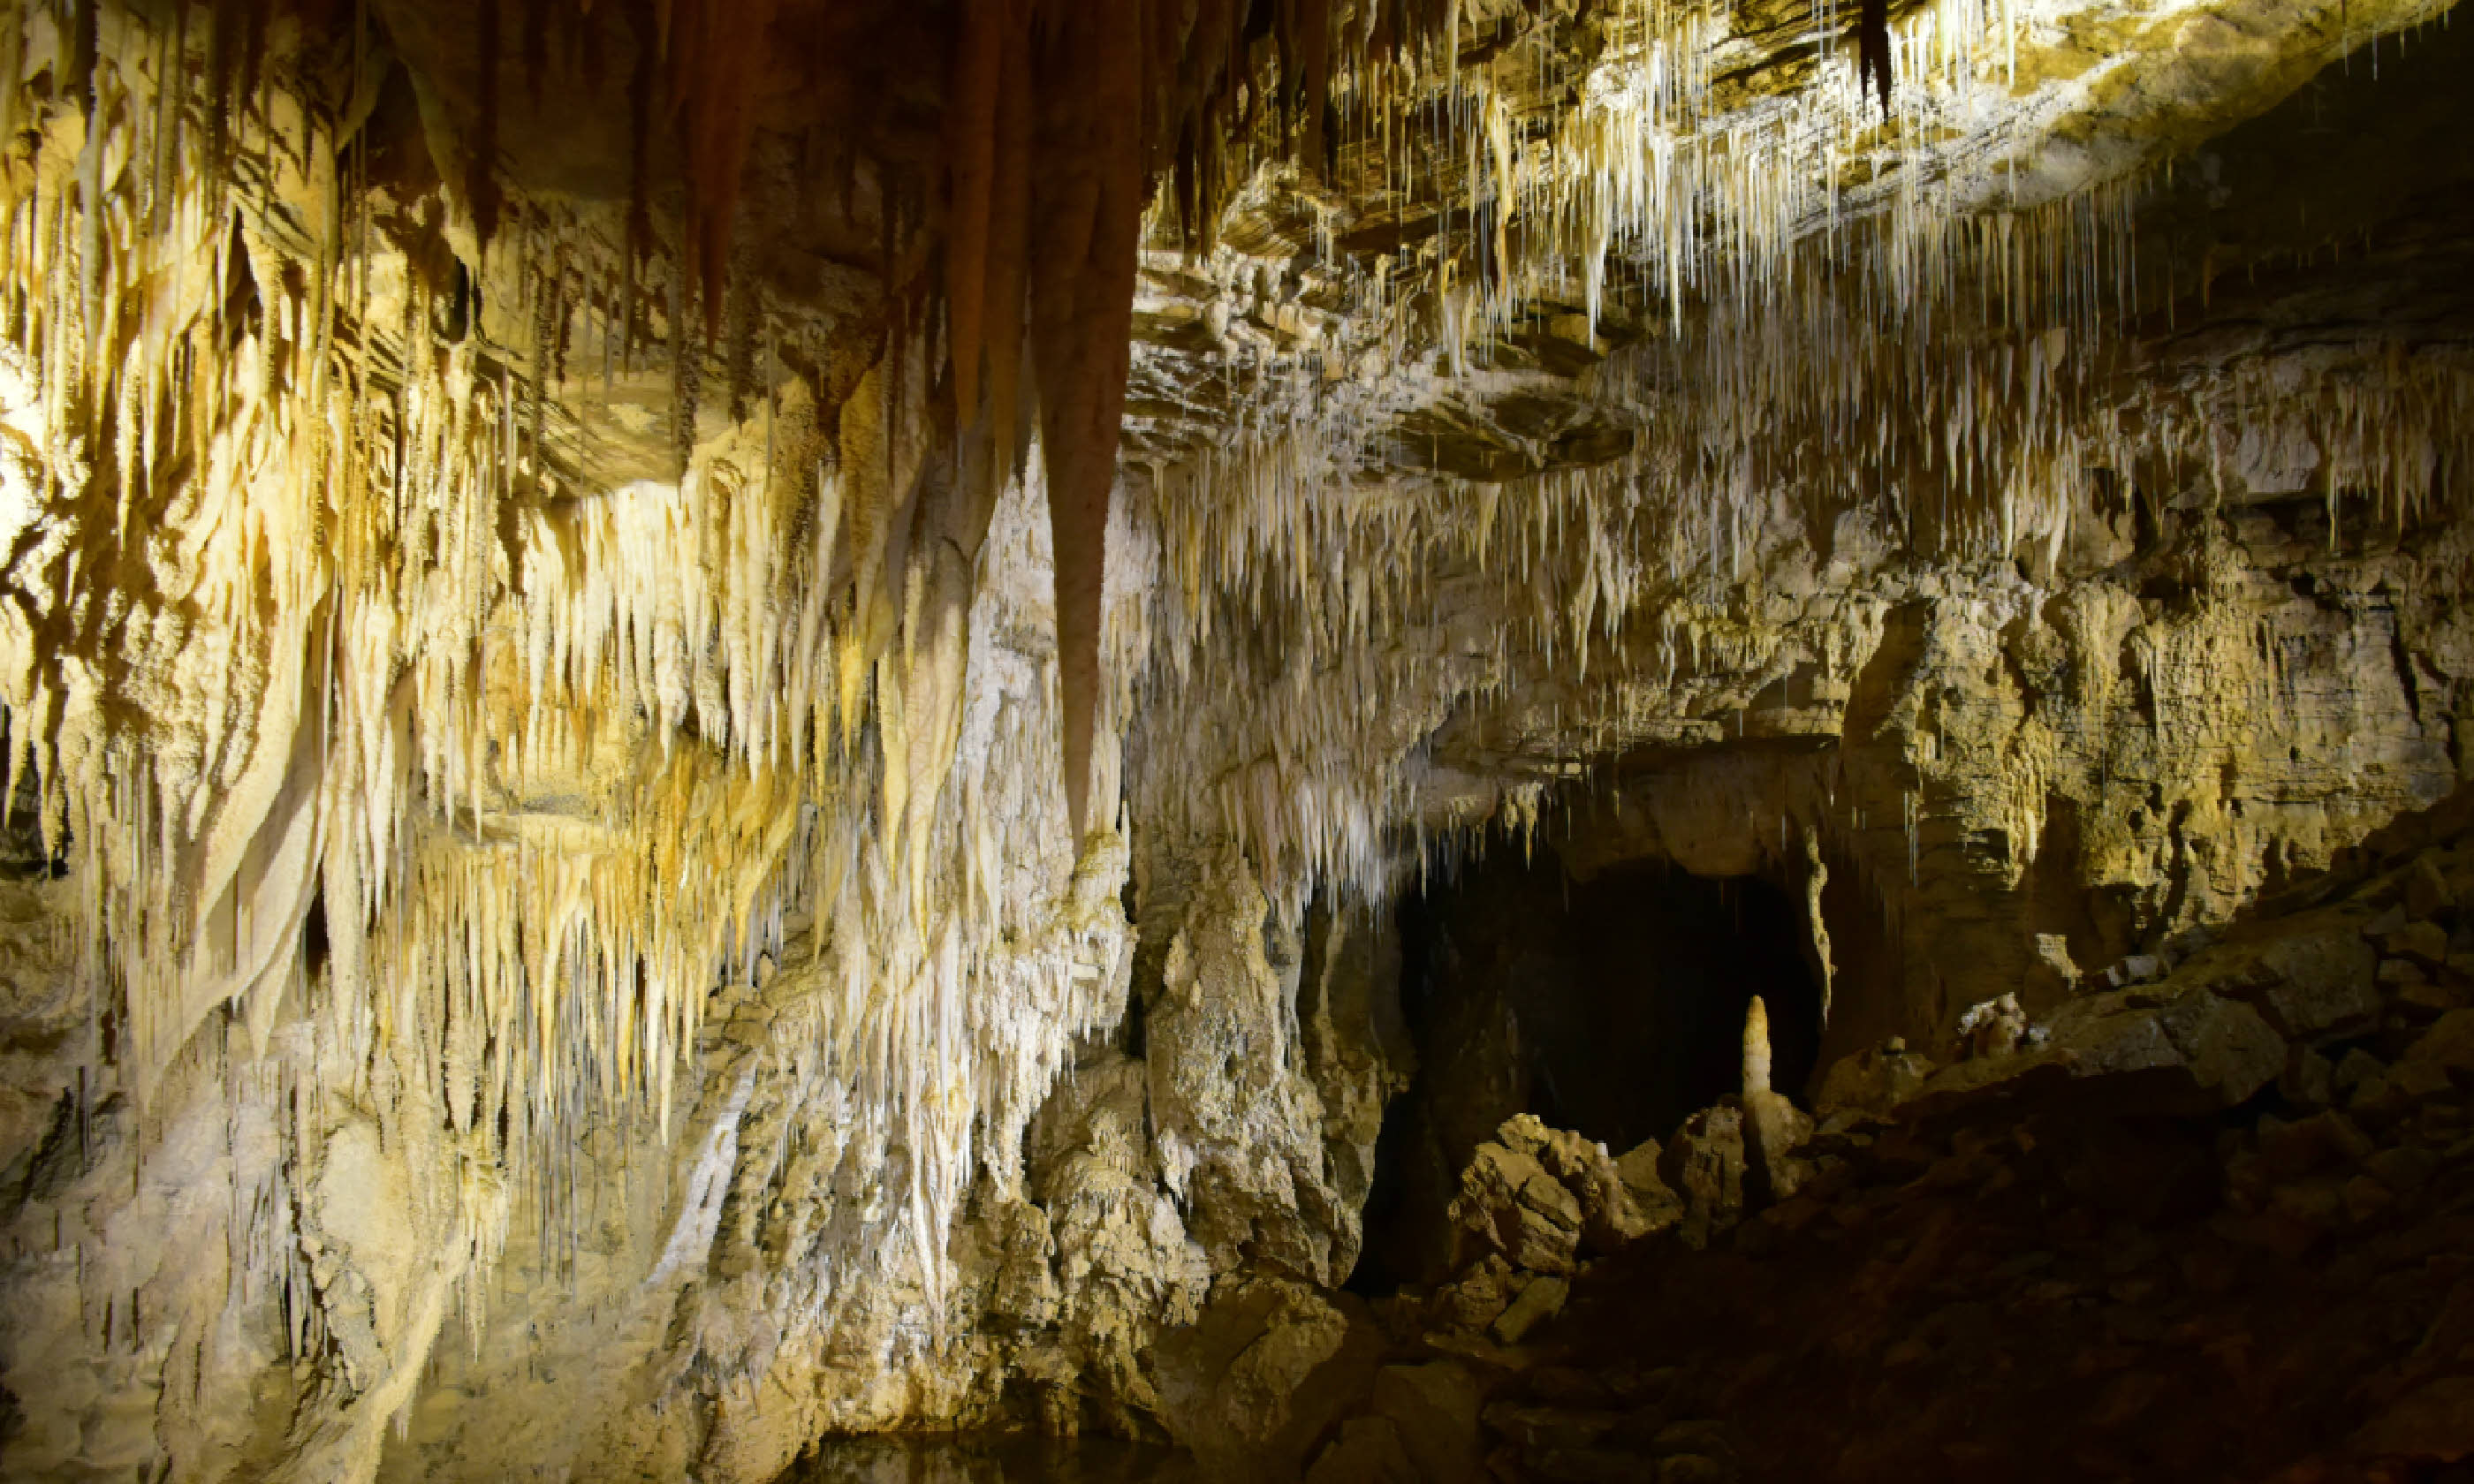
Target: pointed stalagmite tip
(1757,1047)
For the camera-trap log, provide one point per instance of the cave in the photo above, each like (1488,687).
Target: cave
(1628,991)
(798,741)
(1614,1007)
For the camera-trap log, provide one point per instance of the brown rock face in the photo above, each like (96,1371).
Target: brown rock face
(1704,1163)
(1543,1197)
(1510,1203)
(2016,1259)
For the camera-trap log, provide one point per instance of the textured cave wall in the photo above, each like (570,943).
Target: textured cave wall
(415,678)
(718,1322)
(257,1273)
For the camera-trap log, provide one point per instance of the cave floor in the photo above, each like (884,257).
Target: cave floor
(989,1458)
(2051,1299)
(2054,1297)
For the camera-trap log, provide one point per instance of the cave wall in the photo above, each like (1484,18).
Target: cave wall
(1229,1137)
(2018,786)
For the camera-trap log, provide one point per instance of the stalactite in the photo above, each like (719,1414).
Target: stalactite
(481,167)
(970,163)
(714,49)
(1004,304)
(1086,213)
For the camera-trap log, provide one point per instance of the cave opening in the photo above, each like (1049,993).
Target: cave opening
(1612,1005)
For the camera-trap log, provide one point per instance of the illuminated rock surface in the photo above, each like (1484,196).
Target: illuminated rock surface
(733,724)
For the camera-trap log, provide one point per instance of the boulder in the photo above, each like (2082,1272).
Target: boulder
(2356,1067)
(2315,978)
(1653,1199)
(1616,1207)
(1705,1165)
(1540,1301)
(1543,1196)
(2447,1048)
(1510,1203)
(1873,1081)
(2288,1151)
(2171,1047)
(1368,1450)
(1264,1372)
(2435,1422)
(2428,891)
(1435,1406)
(1774,1130)
(1472,1301)
(2420,942)
(1996,1027)
(1535,1427)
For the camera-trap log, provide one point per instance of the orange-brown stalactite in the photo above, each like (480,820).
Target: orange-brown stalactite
(970,164)
(715,51)
(1314,40)
(480,177)
(639,166)
(1059,118)
(224,21)
(1009,233)
(1087,201)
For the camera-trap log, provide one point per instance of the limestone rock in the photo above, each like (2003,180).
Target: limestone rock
(1434,1405)
(1356,1049)
(1774,1130)
(2435,1422)
(1510,1203)
(1543,1196)
(1368,1450)
(1471,1302)
(1658,1205)
(2312,979)
(1268,1366)
(1996,1026)
(1539,1298)
(1240,1132)
(2171,1044)
(1705,1165)
(1871,1081)
(2448,1046)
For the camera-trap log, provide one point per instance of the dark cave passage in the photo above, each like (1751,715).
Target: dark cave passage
(1612,1006)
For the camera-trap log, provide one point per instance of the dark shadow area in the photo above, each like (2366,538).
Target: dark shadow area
(1614,1007)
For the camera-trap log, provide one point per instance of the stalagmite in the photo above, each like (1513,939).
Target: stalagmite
(1757,1047)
